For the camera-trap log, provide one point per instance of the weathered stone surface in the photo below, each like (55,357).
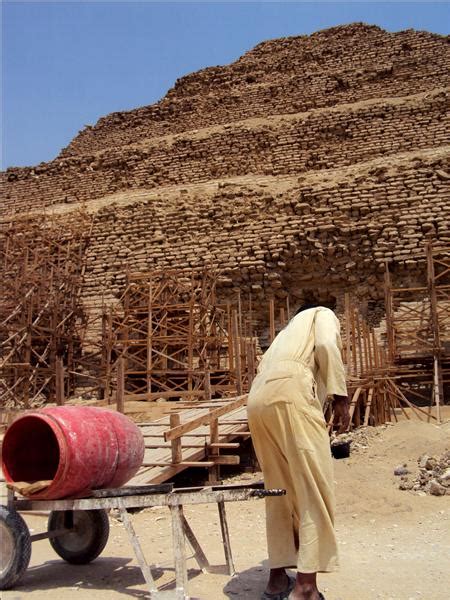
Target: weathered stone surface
(433,476)
(436,489)
(308,163)
(401,470)
(341,65)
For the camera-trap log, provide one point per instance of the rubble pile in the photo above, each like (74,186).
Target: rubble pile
(359,439)
(432,478)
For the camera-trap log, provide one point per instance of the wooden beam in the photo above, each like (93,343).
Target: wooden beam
(271,320)
(354,402)
(59,381)
(237,352)
(187,463)
(226,459)
(177,456)
(368,407)
(120,396)
(225,445)
(204,419)
(213,450)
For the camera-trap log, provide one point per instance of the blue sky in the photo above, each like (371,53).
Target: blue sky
(65,64)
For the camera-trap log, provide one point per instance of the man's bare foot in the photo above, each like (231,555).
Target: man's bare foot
(305,587)
(278,581)
(306,593)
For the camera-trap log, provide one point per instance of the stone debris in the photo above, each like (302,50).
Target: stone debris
(432,478)
(360,438)
(401,470)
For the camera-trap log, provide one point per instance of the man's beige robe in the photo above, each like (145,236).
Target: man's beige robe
(302,366)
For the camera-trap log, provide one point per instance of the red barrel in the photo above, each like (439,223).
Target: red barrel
(78,448)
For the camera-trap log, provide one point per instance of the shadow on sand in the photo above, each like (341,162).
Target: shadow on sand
(248,584)
(102,574)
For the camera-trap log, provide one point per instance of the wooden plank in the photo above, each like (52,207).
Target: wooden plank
(226,537)
(359,342)
(146,572)
(225,445)
(199,555)
(213,450)
(368,407)
(354,401)
(204,419)
(120,384)
(167,445)
(237,352)
(436,387)
(207,385)
(271,320)
(177,455)
(348,341)
(226,459)
(353,333)
(59,381)
(201,495)
(228,432)
(179,551)
(27,489)
(185,464)
(149,365)
(166,394)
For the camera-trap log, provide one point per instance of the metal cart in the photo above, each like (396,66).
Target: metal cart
(78,529)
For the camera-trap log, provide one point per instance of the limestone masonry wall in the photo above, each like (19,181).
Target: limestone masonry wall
(335,236)
(322,139)
(307,163)
(291,75)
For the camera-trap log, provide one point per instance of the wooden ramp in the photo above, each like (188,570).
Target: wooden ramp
(193,436)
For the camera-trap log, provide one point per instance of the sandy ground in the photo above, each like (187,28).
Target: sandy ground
(394,544)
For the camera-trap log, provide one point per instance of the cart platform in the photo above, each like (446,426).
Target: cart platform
(78,528)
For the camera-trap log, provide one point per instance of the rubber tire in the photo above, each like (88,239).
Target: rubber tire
(83,545)
(13,524)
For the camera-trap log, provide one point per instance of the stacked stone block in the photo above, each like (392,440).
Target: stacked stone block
(320,139)
(291,75)
(307,163)
(335,237)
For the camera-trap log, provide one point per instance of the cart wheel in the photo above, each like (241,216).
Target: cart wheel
(87,538)
(15,545)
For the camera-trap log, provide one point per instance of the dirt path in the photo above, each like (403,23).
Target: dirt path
(394,544)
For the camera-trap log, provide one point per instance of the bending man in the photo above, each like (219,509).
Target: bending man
(300,369)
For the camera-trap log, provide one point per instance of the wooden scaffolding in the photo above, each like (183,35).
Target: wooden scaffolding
(171,339)
(403,366)
(42,267)
(418,332)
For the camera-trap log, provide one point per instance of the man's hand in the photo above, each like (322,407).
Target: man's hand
(341,412)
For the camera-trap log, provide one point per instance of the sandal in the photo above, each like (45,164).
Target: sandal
(280,595)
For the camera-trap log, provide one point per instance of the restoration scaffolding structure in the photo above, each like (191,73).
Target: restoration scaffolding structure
(42,268)
(405,364)
(418,332)
(171,339)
